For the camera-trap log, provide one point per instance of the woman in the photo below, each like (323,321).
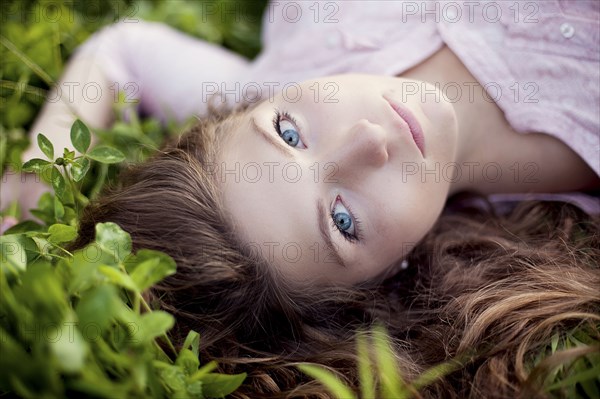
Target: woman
(292,218)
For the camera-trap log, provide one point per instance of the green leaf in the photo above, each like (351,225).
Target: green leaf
(219,385)
(45,208)
(80,168)
(113,240)
(36,165)
(80,136)
(43,246)
(84,264)
(46,146)
(204,370)
(153,270)
(61,233)
(554,343)
(13,256)
(188,361)
(68,155)
(591,387)
(195,390)
(59,209)
(42,291)
(365,370)
(118,277)
(391,381)
(173,378)
(123,129)
(192,342)
(69,348)
(98,307)
(24,227)
(336,387)
(436,373)
(58,183)
(106,155)
(155,324)
(589,374)
(13,354)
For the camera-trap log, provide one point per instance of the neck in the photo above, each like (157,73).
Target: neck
(494,158)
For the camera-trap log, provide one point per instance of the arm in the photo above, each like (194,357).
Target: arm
(54,121)
(69,102)
(164,69)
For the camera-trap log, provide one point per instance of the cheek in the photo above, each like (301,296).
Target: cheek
(405,223)
(445,134)
(405,235)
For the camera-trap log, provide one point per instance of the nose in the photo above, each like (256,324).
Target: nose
(363,147)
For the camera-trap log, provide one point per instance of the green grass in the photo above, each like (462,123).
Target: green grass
(38,37)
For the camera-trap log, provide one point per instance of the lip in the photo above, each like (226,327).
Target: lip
(413,124)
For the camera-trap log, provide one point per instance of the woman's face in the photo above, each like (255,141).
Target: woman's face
(342,192)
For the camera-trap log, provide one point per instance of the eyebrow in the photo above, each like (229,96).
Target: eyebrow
(326,234)
(283,148)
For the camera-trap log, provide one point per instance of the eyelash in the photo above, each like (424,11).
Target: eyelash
(347,236)
(278,118)
(353,238)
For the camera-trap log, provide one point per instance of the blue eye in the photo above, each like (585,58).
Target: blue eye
(344,222)
(291,137)
(285,126)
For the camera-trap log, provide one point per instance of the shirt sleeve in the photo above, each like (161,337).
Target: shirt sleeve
(170,73)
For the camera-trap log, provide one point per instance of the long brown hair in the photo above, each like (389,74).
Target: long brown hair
(493,287)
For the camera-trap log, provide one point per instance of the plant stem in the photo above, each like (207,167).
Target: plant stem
(74,189)
(164,336)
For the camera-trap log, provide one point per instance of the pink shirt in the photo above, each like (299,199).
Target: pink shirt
(538,60)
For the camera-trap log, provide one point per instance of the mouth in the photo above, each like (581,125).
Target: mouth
(411,121)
